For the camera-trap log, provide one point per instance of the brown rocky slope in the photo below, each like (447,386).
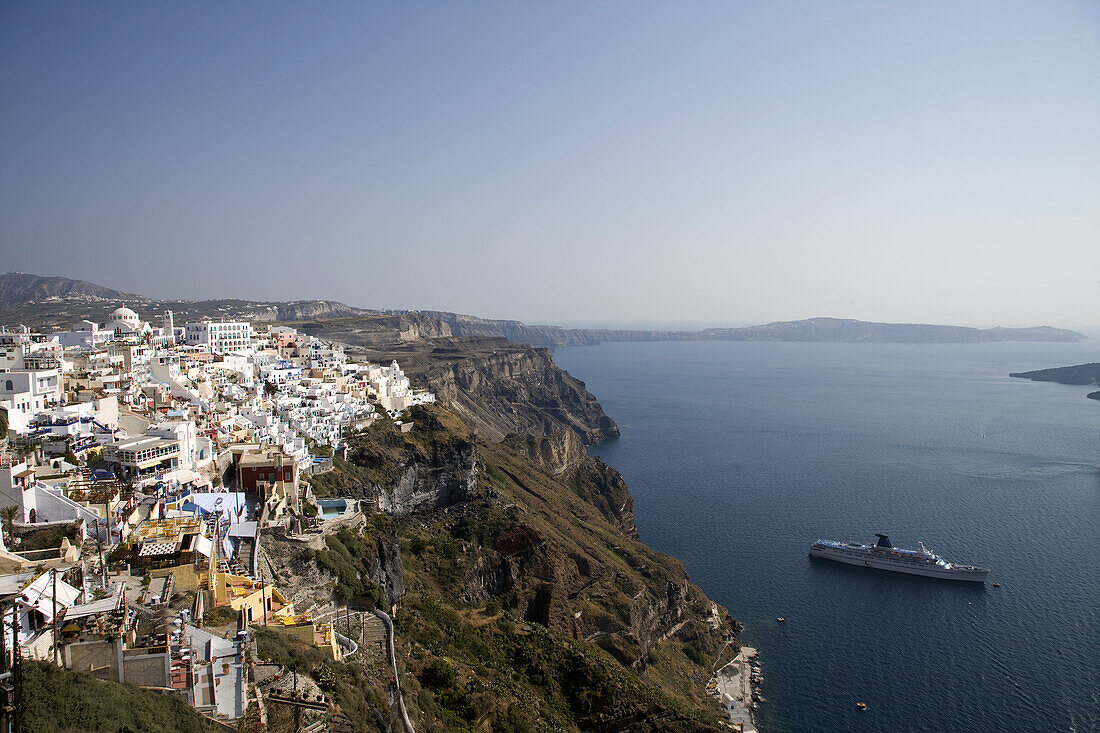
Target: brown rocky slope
(524,598)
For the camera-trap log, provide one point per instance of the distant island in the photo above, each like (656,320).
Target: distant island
(1079,374)
(809,330)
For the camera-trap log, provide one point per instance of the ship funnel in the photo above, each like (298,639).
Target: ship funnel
(883,540)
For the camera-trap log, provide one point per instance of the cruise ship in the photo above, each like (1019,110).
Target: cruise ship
(885,556)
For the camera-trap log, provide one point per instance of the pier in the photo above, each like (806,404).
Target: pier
(732,686)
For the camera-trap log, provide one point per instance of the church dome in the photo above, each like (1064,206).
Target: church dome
(125,315)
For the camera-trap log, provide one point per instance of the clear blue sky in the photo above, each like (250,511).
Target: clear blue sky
(560,162)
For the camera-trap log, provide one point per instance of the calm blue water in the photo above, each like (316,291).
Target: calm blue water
(740,455)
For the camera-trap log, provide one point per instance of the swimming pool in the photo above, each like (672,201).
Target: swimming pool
(331,508)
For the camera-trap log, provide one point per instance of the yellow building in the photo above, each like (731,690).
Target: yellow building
(303,627)
(245,595)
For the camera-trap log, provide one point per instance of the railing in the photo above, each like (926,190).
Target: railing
(51,553)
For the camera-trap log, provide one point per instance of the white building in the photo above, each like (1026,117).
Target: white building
(219,337)
(86,334)
(23,393)
(34,611)
(15,477)
(125,323)
(280,373)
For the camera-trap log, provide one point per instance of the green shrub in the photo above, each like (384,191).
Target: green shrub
(292,653)
(439,674)
(219,616)
(55,699)
(692,652)
(348,556)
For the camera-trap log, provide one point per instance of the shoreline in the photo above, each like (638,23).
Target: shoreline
(731,687)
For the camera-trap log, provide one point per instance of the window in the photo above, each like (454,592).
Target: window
(9,386)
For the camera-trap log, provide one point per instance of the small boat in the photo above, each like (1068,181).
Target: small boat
(781,620)
(861,705)
(996,585)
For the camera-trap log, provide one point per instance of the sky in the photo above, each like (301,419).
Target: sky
(564,162)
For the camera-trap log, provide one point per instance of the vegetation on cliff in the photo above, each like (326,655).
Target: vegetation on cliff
(524,600)
(55,699)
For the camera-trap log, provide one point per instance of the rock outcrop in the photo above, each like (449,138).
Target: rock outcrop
(378,331)
(518,389)
(448,476)
(604,488)
(386,571)
(556,453)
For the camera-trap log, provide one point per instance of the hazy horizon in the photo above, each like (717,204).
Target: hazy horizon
(1089,330)
(704,163)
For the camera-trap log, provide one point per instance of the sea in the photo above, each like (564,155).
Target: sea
(740,455)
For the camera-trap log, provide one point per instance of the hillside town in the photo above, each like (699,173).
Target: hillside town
(144,465)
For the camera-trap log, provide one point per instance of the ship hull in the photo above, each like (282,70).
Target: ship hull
(977,575)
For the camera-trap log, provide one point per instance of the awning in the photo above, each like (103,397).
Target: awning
(152,549)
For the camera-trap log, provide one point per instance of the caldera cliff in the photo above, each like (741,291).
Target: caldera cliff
(523,597)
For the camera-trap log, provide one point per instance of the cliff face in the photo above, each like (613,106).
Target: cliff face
(604,488)
(378,331)
(518,564)
(556,453)
(447,476)
(551,538)
(519,390)
(385,569)
(300,310)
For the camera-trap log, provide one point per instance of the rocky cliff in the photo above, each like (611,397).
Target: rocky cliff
(447,476)
(300,310)
(379,331)
(517,389)
(556,453)
(525,599)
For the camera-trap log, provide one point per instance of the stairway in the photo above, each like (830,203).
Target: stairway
(374,633)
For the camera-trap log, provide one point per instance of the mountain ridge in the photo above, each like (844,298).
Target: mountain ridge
(823,329)
(22,295)
(19,288)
